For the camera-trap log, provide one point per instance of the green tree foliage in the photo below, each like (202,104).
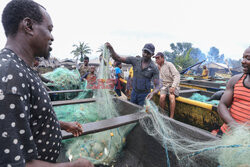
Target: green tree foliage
(184,55)
(214,55)
(197,55)
(81,51)
(100,49)
(234,63)
(182,62)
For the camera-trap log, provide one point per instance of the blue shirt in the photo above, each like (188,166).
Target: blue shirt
(117,71)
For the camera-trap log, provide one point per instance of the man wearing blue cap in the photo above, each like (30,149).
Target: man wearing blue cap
(144,70)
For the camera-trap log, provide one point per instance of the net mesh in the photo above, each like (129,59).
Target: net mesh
(203,98)
(64,79)
(102,147)
(231,150)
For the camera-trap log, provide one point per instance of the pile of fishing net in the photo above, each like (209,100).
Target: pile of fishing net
(190,78)
(64,79)
(203,98)
(102,147)
(232,150)
(99,148)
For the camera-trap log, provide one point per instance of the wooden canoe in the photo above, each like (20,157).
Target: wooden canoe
(195,113)
(141,150)
(203,85)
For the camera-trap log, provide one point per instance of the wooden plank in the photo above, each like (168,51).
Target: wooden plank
(107,124)
(66,91)
(68,102)
(112,123)
(189,91)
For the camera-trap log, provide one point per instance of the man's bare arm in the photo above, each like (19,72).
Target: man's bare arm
(114,55)
(78,163)
(156,89)
(226,101)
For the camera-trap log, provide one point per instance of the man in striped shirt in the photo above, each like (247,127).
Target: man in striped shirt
(234,107)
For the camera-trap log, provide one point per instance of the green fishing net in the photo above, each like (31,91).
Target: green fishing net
(220,81)
(64,79)
(232,150)
(223,87)
(203,98)
(102,147)
(190,78)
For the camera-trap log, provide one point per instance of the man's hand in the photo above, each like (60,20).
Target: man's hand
(150,95)
(115,56)
(110,47)
(72,127)
(171,90)
(82,163)
(127,92)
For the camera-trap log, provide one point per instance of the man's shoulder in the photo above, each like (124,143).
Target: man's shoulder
(232,81)
(133,58)
(167,63)
(6,62)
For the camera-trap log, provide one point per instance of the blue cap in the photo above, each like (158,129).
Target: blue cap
(149,47)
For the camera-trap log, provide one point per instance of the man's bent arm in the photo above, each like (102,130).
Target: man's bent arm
(226,101)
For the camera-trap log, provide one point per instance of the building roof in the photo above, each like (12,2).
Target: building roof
(217,65)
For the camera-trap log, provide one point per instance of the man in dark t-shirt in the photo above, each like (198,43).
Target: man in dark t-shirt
(144,71)
(30,134)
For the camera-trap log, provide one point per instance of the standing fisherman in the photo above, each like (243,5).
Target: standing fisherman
(144,71)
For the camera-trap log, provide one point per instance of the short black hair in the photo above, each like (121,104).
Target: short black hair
(86,58)
(16,10)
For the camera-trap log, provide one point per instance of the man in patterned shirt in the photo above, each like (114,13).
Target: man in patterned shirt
(30,134)
(170,80)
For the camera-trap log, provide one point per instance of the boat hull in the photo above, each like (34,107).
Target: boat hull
(198,114)
(142,150)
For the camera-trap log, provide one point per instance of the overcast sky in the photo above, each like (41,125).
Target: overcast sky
(129,24)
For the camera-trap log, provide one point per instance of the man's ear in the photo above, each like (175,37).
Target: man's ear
(28,25)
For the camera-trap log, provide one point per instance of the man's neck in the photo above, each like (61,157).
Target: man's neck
(161,64)
(145,60)
(21,49)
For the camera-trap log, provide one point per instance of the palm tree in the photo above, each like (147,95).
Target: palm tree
(100,49)
(81,51)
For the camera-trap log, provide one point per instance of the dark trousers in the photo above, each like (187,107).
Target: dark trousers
(138,98)
(118,92)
